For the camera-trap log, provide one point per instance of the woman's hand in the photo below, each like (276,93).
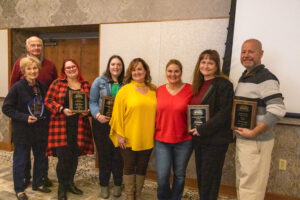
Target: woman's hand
(68,112)
(86,113)
(31,119)
(121,142)
(102,118)
(194,132)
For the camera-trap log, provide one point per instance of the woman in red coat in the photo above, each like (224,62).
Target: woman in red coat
(69,133)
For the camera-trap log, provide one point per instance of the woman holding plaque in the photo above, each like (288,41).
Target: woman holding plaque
(69,132)
(211,138)
(132,125)
(109,157)
(24,105)
(173,143)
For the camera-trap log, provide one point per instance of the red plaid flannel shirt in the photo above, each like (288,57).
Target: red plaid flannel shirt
(57,126)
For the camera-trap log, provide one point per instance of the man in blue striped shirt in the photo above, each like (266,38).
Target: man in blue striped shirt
(254,146)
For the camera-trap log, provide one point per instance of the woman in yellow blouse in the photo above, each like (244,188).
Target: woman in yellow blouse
(133,124)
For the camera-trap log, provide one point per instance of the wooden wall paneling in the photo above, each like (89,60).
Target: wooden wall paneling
(89,59)
(84,51)
(62,50)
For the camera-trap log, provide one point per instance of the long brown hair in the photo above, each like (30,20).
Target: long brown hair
(107,71)
(198,76)
(132,66)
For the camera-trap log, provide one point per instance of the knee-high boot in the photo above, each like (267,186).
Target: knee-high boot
(129,182)
(140,179)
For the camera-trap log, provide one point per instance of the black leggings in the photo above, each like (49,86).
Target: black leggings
(68,155)
(135,162)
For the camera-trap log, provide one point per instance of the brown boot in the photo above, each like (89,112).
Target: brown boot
(139,186)
(129,182)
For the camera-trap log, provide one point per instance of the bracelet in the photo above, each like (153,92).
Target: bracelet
(62,110)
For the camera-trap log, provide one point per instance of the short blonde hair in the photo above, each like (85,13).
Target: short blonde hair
(28,60)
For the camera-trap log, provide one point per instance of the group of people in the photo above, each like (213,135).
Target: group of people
(144,118)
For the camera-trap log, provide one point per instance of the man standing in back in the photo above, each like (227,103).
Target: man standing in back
(254,146)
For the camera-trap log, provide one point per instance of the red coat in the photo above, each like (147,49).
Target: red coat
(57,127)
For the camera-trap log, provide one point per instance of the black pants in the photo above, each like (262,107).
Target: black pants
(209,163)
(109,157)
(135,162)
(68,155)
(20,157)
(28,168)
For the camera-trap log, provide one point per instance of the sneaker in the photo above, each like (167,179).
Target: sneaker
(104,192)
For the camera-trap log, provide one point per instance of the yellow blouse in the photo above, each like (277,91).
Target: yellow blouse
(133,117)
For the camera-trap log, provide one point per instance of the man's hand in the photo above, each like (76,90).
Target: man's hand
(247,133)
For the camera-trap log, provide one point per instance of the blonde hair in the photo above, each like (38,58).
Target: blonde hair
(29,60)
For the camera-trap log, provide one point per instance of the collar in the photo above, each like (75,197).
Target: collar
(137,84)
(253,72)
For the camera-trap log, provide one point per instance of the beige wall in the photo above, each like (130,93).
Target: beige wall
(19,13)
(22,13)
(4,62)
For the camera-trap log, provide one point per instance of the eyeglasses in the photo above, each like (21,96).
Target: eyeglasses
(70,67)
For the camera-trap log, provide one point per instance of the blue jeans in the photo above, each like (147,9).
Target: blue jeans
(175,156)
(20,159)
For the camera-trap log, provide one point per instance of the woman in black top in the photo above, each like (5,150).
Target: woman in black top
(211,139)
(24,105)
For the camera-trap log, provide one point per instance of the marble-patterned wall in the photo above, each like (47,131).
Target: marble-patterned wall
(45,13)
(4,124)
(38,13)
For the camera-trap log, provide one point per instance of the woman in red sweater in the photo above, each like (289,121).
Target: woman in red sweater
(173,144)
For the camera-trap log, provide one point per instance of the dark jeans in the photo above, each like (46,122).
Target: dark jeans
(20,159)
(175,156)
(209,163)
(68,155)
(135,162)
(28,168)
(109,157)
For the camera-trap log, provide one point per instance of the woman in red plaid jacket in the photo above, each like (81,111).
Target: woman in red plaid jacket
(69,133)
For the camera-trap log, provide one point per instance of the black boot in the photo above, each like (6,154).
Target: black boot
(72,188)
(62,192)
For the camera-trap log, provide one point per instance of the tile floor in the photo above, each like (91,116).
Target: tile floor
(86,179)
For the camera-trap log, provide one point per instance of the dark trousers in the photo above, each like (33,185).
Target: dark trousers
(20,159)
(109,157)
(135,162)
(28,168)
(68,155)
(209,163)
